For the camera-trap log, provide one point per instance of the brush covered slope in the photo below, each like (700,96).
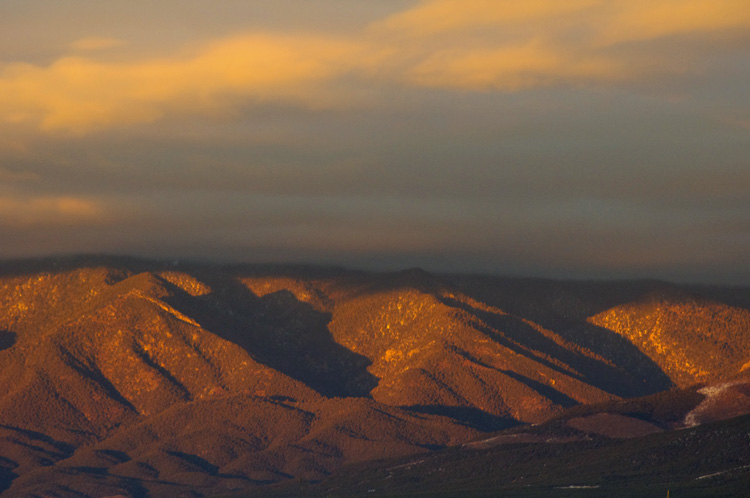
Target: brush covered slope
(640,447)
(136,378)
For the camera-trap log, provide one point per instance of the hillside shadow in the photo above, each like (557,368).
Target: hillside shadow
(6,478)
(280,331)
(548,392)
(468,416)
(646,376)
(523,339)
(203,465)
(116,456)
(554,303)
(7,339)
(93,373)
(7,466)
(55,448)
(195,461)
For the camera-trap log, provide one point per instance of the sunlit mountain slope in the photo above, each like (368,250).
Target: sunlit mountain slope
(142,379)
(691,338)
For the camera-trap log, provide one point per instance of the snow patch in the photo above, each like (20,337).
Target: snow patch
(574,486)
(711,393)
(406,465)
(708,476)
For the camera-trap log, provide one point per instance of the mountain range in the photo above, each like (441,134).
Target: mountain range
(137,378)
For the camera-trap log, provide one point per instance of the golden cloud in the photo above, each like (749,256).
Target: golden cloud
(78,95)
(432,17)
(637,20)
(20,211)
(507,45)
(485,45)
(618,20)
(513,68)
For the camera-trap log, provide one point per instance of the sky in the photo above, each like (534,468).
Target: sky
(575,139)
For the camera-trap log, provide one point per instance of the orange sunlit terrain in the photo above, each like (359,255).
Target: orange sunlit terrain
(222,146)
(213,379)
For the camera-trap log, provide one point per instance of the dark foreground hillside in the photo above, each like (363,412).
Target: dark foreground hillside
(709,461)
(138,378)
(615,449)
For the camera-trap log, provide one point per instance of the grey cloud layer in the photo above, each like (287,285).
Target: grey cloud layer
(566,176)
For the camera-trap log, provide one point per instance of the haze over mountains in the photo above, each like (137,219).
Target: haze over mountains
(139,378)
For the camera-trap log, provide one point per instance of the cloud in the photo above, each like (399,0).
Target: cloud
(510,46)
(734,120)
(614,20)
(8,175)
(636,20)
(79,95)
(93,44)
(487,45)
(513,68)
(437,17)
(41,211)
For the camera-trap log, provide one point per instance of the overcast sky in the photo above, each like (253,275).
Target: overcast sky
(577,138)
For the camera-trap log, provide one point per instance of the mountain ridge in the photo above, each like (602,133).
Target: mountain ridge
(153,378)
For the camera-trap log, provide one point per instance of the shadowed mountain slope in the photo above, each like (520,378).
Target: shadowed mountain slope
(138,378)
(638,447)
